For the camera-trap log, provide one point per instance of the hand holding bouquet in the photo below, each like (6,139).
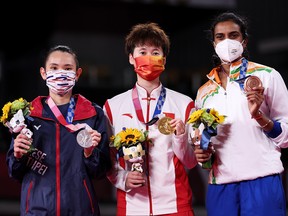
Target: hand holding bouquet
(14,115)
(210,118)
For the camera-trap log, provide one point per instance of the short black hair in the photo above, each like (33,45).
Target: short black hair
(147,33)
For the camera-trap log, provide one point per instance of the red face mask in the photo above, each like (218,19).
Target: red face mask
(149,67)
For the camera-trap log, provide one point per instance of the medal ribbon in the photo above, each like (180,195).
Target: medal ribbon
(71,108)
(60,117)
(157,110)
(242,75)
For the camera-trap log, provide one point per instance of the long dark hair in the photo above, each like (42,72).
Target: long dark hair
(237,19)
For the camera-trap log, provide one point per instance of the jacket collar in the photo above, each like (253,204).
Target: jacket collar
(83,109)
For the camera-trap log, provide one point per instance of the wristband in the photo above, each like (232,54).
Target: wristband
(258,116)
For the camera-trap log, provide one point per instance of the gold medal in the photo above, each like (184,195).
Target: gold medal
(164,126)
(251,82)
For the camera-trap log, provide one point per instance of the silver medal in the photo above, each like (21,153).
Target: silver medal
(84,138)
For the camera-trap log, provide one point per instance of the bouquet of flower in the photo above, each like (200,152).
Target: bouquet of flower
(10,109)
(13,117)
(129,143)
(210,118)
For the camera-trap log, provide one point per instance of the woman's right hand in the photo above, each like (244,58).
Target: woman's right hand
(21,145)
(134,180)
(202,155)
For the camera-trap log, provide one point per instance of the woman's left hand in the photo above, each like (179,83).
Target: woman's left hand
(178,125)
(255,98)
(96,138)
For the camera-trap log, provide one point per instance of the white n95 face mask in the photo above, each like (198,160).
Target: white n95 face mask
(228,50)
(60,81)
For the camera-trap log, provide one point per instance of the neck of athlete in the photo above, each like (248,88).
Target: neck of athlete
(60,100)
(149,86)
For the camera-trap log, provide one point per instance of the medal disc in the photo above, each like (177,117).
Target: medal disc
(251,82)
(84,138)
(164,126)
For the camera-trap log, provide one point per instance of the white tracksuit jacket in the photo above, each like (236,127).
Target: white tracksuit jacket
(167,189)
(243,150)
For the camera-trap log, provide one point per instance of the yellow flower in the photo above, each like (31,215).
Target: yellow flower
(5,110)
(195,116)
(112,138)
(128,136)
(219,118)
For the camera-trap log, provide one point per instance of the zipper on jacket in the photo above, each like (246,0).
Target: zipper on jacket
(89,195)
(58,179)
(147,160)
(28,196)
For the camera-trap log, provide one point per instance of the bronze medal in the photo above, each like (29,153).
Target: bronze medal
(164,126)
(251,82)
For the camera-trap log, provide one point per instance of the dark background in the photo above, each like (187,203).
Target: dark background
(96,31)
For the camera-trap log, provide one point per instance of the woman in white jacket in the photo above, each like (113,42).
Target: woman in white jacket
(163,187)
(245,178)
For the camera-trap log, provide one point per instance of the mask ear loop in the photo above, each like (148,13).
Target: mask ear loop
(243,47)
